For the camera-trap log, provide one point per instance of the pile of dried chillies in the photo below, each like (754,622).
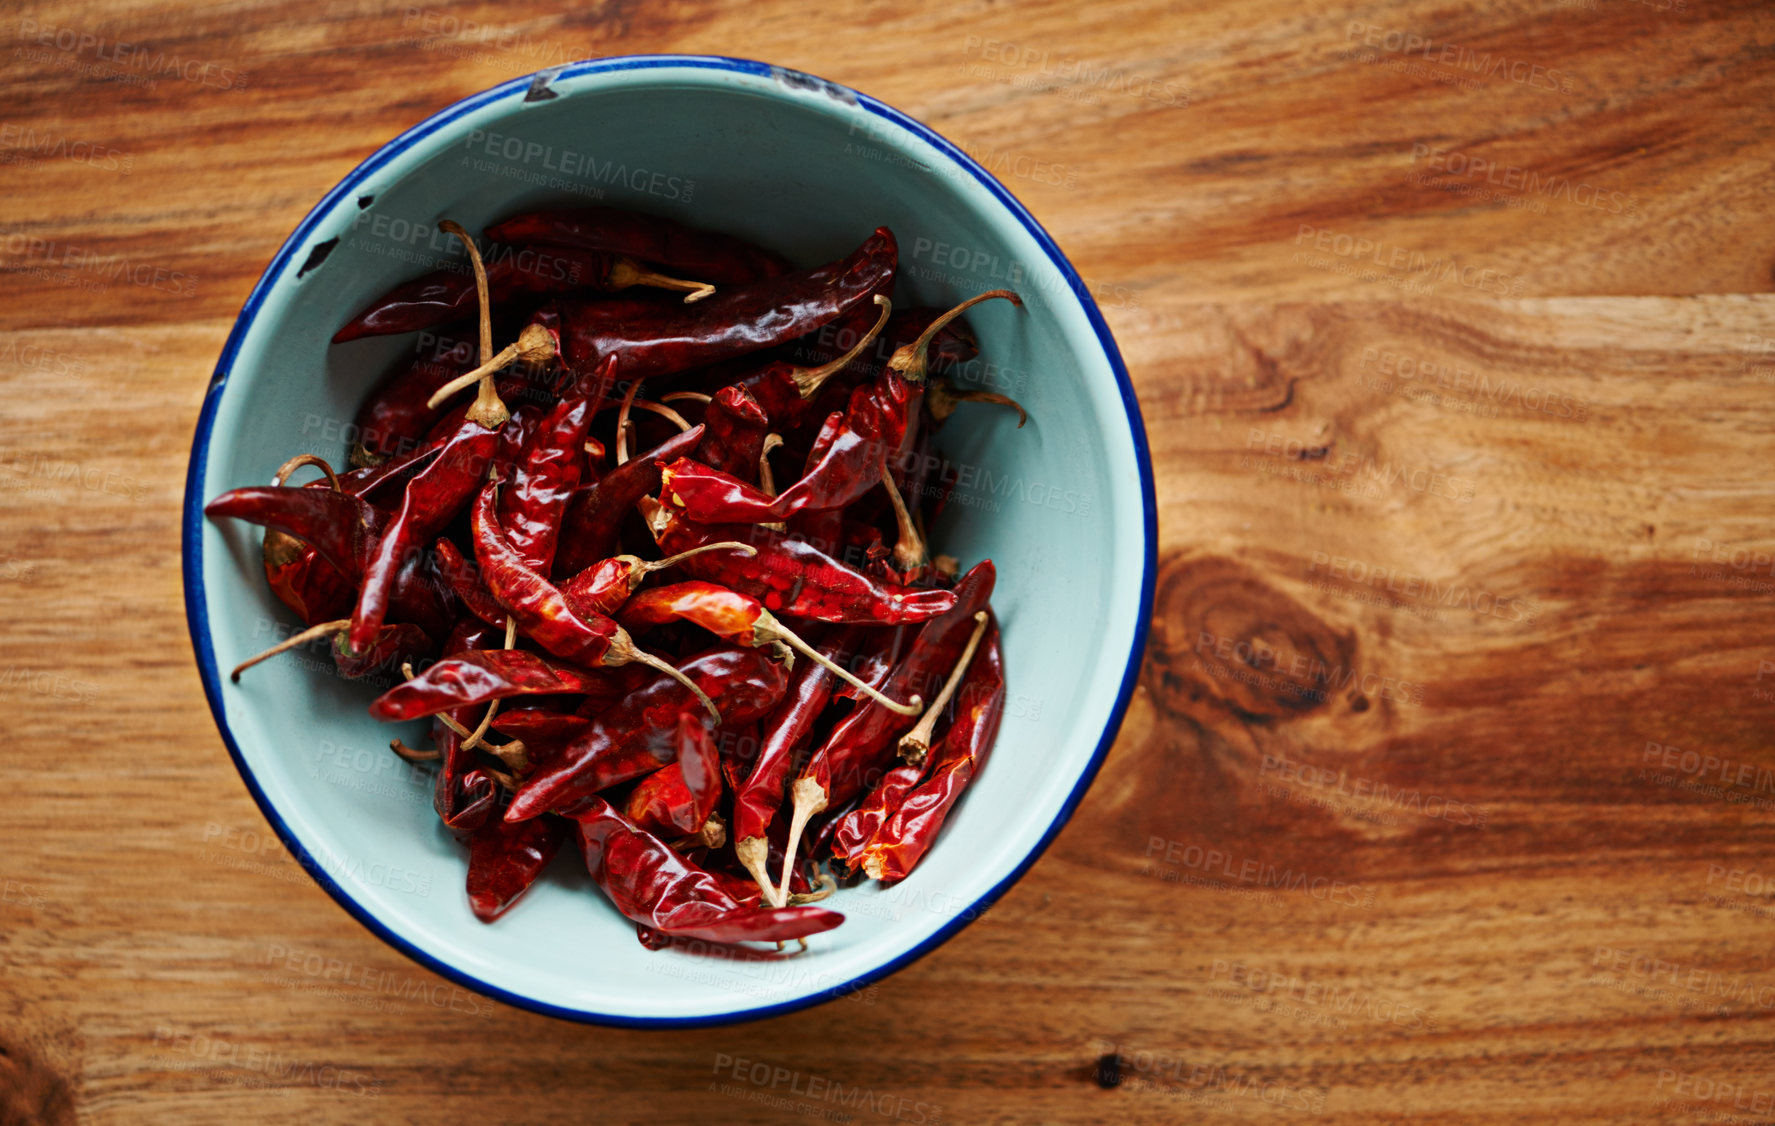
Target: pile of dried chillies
(790,678)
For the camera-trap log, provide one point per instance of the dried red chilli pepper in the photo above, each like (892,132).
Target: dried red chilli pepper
(474,677)
(381,484)
(515,438)
(544,478)
(541,611)
(343,528)
(395,418)
(462,796)
(915,745)
(739,749)
(422,616)
(590,526)
(740,619)
(654,338)
(877,653)
(628,678)
(504,860)
(757,799)
(541,731)
(824,530)
(420,595)
(401,641)
(512,271)
(878,424)
(953,343)
(679,798)
(432,496)
(785,392)
(294,571)
(875,429)
(603,587)
(734,429)
(634,736)
(842,766)
(902,841)
(463,579)
(718,258)
(537,726)
(847,467)
(856,828)
(305,582)
(789,577)
(667,895)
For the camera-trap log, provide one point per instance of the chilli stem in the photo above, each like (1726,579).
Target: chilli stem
(325,629)
(915,744)
(810,798)
(808,380)
(627,272)
(769,629)
(909,360)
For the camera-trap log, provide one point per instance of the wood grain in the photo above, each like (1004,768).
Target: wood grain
(1447,790)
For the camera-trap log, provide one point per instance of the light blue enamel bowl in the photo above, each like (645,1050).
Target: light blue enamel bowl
(1064,506)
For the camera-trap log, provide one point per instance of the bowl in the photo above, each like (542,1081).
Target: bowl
(807,167)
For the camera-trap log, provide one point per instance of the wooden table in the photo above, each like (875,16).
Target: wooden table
(1452,329)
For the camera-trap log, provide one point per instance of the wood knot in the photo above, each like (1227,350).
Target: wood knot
(1224,641)
(32,1092)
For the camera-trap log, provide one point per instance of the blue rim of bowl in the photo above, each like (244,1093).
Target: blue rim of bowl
(197,612)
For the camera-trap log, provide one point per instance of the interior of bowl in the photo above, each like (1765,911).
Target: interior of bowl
(1063,506)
